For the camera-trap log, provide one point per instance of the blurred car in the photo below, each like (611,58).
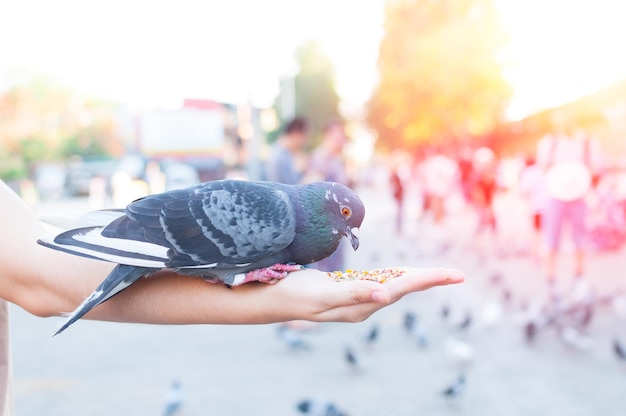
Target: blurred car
(81,170)
(179,175)
(50,180)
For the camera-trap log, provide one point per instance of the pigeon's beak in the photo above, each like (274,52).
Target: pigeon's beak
(353,236)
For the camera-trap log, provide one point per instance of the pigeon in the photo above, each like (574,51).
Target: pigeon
(491,313)
(583,315)
(319,408)
(459,353)
(572,338)
(409,321)
(455,389)
(173,399)
(225,231)
(372,337)
(496,278)
(445,312)
(619,350)
(507,296)
(466,323)
(352,359)
(420,334)
(530,331)
(292,338)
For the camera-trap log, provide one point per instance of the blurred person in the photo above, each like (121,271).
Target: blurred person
(466,169)
(48,283)
(483,186)
(607,225)
(532,186)
(569,159)
(327,164)
(397,190)
(438,176)
(286,163)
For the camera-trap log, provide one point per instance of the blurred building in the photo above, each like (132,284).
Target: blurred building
(196,134)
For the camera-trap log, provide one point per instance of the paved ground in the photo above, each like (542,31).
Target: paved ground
(104,369)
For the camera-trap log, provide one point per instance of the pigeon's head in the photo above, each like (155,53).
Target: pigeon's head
(345,210)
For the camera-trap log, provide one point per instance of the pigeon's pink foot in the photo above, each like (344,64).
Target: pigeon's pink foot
(271,274)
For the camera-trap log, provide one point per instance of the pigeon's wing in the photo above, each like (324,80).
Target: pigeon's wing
(221,222)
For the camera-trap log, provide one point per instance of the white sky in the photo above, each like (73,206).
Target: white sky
(160,52)
(156,52)
(562,49)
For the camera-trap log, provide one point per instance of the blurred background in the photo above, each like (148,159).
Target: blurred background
(105,102)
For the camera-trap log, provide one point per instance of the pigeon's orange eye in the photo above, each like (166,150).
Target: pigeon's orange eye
(346,211)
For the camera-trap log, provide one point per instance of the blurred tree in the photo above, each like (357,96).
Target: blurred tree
(439,74)
(42,121)
(315,94)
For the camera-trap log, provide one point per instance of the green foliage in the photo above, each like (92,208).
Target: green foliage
(439,73)
(43,121)
(33,149)
(12,167)
(316,96)
(83,143)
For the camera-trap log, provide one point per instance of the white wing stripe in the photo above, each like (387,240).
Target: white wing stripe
(199,266)
(130,261)
(131,246)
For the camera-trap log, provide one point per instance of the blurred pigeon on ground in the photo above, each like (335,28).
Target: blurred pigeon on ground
(456,388)
(619,349)
(583,315)
(507,296)
(466,323)
(314,407)
(572,338)
(420,334)
(410,319)
(581,290)
(496,278)
(460,353)
(352,359)
(371,338)
(445,312)
(226,231)
(530,331)
(173,399)
(491,313)
(292,338)
(618,304)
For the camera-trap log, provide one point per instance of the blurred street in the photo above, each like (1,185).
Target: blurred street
(105,368)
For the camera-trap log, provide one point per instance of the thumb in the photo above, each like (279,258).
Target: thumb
(359,291)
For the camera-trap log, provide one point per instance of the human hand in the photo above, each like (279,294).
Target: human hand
(311,295)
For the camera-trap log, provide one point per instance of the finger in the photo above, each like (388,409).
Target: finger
(356,292)
(415,280)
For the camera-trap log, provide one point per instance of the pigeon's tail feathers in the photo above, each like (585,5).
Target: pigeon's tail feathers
(119,279)
(98,218)
(89,242)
